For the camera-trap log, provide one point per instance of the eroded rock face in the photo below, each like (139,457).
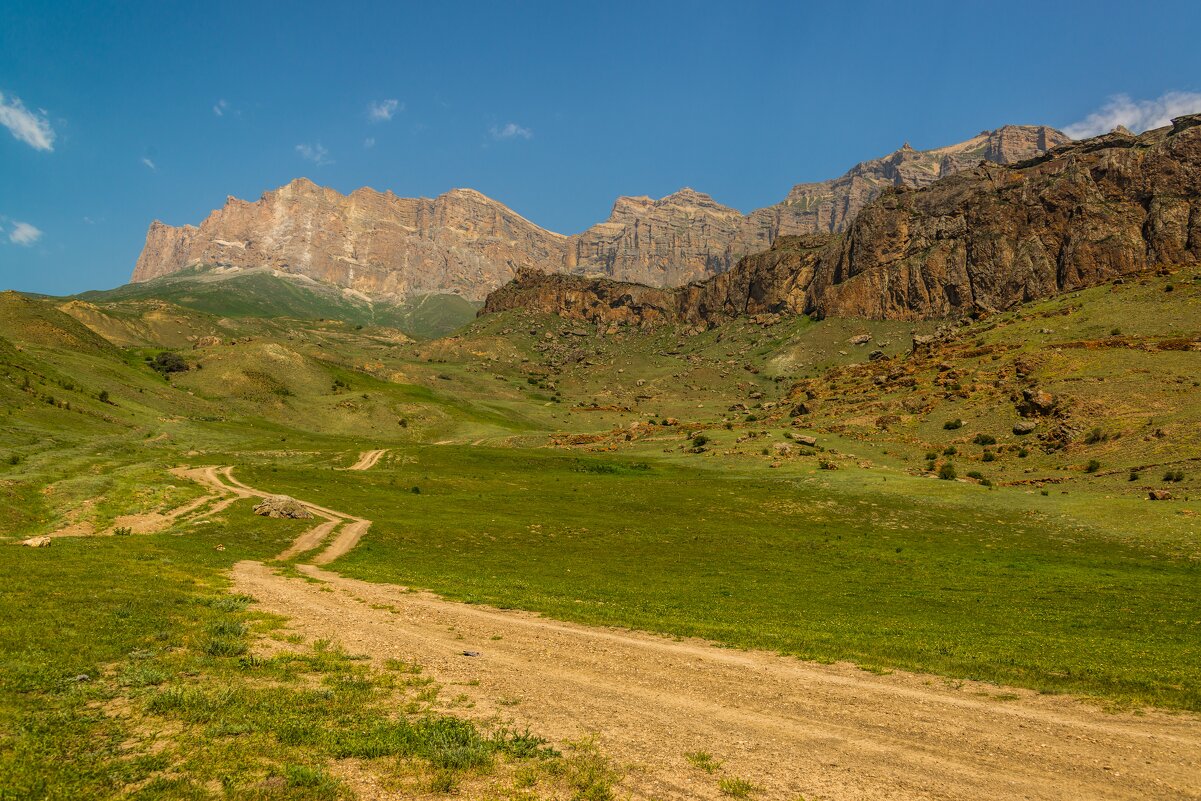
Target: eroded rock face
(981,240)
(375,243)
(389,247)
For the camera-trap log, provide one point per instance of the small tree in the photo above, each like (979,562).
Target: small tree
(947,472)
(103,396)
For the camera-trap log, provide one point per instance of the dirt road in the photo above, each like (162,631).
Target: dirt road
(368,459)
(791,728)
(350,529)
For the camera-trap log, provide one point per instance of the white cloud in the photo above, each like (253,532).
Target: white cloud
(1137,115)
(314,153)
(383,110)
(24,234)
(220,106)
(149,163)
(369,142)
(510,131)
(31,128)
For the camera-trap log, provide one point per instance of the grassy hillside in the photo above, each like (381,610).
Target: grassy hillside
(265,293)
(658,479)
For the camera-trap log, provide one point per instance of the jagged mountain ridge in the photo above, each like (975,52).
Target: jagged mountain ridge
(980,240)
(462,242)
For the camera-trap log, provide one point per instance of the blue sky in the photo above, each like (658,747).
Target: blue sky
(116,114)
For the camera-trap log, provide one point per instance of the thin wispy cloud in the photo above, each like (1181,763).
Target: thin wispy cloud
(384,110)
(1136,115)
(150,163)
(24,234)
(369,142)
(510,130)
(314,153)
(220,107)
(30,127)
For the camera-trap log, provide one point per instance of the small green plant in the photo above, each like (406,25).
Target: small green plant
(1092,466)
(984,439)
(699,440)
(122,531)
(976,474)
(103,396)
(1095,436)
(1174,475)
(736,787)
(950,450)
(989,456)
(1023,453)
(703,760)
(951,425)
(1134,476)
(947,472)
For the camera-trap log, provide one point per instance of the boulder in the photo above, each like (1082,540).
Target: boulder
(207,342)
(37,542)
(805,439)
(801,408)
(282,506)
(1024,427)
(1036,403)
(1159,495)
(876,355)
(860,339)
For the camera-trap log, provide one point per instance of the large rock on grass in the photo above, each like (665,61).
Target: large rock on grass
(282,506)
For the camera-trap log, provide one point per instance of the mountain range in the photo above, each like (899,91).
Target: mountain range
(384,247)
(982,240)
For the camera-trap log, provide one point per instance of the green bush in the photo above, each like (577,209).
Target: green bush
(947,472)
(1092,466)
(984,439)
(951,425)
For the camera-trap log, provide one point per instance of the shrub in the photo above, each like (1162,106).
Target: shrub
(931,456)
(976,474)
(1174,475)
(984,439)
(1092,466)
(951,425)
(166,362)
(699,440)
(950,450)
(103,396)
(947,472)
(989,456)
(122,531)
(1023,453)
(1134,475)
(1095,436)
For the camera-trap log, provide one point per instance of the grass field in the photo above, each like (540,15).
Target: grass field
(646,479)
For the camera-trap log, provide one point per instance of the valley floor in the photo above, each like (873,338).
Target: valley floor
(791,728)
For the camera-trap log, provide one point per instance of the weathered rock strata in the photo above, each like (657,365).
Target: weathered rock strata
(386,246)
(981,240)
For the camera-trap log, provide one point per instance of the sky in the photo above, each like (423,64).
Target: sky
(114,115)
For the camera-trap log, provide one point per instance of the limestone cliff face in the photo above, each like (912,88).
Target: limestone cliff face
(463,242)
(982,239)
(376,243)
(830,206)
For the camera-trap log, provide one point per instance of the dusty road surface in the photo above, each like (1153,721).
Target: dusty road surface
(790,727)
(368,459)
(350,529)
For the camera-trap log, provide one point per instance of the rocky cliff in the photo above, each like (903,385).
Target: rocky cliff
(462,242)
(376,243)
(980,240)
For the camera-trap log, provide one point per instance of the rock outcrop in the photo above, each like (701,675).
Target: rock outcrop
(389,247)
(980,240)
(375,243)
(282,506)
